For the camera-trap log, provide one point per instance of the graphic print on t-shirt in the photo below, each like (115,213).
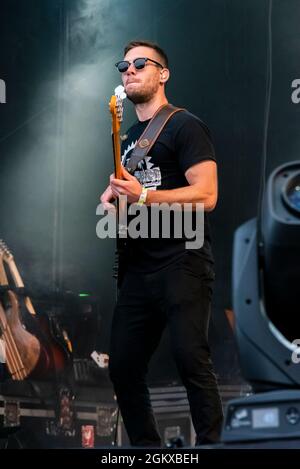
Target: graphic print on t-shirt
(146,174)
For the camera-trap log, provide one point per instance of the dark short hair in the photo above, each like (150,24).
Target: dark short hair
(151,45)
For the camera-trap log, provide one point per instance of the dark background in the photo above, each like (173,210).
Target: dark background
(57,59)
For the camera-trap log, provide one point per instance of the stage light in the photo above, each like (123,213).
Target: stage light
(266,280)
(291,194)
(266,302)
(280,250)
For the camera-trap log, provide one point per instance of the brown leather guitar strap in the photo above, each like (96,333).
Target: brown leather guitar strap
(150,135)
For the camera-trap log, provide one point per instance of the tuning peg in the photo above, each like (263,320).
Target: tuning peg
(120,92)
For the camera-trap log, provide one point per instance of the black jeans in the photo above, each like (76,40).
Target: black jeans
(178,296)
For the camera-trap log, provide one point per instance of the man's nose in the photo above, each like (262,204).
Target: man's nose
(131,69)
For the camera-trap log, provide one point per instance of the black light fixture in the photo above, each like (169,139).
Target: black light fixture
(266,284)
(280,253)
(266,302)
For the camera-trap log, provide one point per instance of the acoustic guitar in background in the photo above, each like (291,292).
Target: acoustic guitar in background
(31,347)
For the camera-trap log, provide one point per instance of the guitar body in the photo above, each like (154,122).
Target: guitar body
(33,344)
(39,344)
(28,346)
(54,344)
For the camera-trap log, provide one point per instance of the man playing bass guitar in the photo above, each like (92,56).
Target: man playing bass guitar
(165,283)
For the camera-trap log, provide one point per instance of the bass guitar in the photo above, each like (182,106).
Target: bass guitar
(116,110)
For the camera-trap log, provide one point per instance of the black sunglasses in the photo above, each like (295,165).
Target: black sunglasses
(139,63)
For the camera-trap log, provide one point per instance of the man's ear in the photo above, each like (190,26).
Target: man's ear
(164,75)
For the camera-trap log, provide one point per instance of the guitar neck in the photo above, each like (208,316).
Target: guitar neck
(3,276)
(116,109)
(20,284)
(3,283)
(117,153)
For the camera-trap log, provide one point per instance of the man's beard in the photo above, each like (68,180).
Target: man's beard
(138,98)
(142,96)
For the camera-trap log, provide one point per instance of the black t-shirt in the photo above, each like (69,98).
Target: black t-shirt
(184,141)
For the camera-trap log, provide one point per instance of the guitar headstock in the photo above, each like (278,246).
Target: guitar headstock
(116,106)
(5,253)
